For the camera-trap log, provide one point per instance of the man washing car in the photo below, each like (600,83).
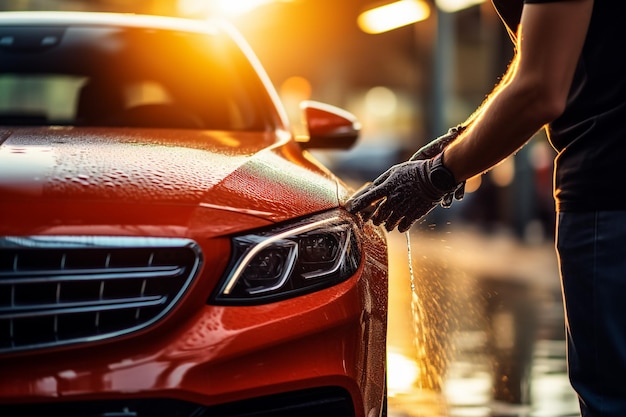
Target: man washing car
(567,73)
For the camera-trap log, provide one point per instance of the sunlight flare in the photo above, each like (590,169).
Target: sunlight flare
(393,15)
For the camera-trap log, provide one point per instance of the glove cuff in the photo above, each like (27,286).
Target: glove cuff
(431,149)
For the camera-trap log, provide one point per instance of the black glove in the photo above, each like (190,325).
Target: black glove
(401,196)
(430,150)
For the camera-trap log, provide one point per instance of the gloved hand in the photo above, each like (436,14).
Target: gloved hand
(401,196)
(430,150)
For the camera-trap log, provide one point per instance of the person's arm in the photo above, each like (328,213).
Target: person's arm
(533,92)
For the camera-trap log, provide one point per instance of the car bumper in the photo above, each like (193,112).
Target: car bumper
(307,349)
(329,402)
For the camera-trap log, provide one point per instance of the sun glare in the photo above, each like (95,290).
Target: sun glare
(221,7)
(402,373)
(451,6)
(239,7)
(393,15)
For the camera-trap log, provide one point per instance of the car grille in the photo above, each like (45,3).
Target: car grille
(60,290)
(324,401)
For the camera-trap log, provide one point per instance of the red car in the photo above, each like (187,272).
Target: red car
(167,247)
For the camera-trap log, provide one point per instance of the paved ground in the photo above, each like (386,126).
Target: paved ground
(481,333)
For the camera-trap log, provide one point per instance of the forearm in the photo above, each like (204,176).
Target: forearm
(507,120)
(533,92)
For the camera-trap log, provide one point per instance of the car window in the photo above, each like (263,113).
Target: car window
(38,99)
(132,77)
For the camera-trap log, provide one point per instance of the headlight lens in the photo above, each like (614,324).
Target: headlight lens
(290,259)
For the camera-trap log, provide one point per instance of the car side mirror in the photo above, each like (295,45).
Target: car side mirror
(328,127)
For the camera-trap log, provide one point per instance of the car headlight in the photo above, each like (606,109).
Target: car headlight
(290,259)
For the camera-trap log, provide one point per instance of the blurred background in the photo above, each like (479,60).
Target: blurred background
(476,319)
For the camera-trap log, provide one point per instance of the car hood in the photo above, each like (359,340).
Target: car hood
(53,179)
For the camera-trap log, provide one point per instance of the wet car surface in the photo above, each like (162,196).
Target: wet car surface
(167,247)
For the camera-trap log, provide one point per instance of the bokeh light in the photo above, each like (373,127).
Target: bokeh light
(451,6)
(393,15)
(402,373)
(473,184)
(380,101)
(296,88)
(293,91)
(503,174)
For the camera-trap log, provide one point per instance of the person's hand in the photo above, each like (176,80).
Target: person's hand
(399,197)
(431,149)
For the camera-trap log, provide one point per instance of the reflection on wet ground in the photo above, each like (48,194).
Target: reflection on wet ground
(481,335)
(468,390)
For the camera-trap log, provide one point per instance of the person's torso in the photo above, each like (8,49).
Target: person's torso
(590,136)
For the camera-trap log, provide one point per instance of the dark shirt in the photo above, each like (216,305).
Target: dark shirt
(590,136)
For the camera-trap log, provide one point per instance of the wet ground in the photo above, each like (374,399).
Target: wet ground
(481,333)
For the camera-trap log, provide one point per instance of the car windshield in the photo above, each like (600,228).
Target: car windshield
(128,76)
